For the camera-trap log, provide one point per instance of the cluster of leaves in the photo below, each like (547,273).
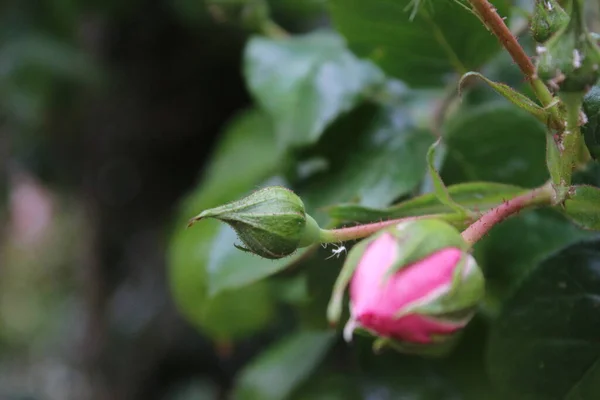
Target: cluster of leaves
(344,115)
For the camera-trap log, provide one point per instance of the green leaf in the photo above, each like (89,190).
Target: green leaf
(440,190)
(227,316)
(248,142)
(384,159)
(305,82)
(281,368)
(518,99)
(513,249)
(475,196)
(397,376)
(545,344)
(591,130)
(230,268)
(441,39)
(583,207)
(497,143)
(465,366)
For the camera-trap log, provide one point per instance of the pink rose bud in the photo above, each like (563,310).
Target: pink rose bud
(411,303)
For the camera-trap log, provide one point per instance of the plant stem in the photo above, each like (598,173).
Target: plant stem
(571,138)
(496,25)
(544,195)
(361,231)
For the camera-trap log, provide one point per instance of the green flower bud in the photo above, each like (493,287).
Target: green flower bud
(271,222)
(548,18)
(570,60)
(591,129)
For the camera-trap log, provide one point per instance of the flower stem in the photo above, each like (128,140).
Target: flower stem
(496,25)
(544,195)
(361,231)
(571,138)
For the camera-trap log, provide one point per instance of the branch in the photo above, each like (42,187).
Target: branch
(496,25)
(361,231)
(543,195)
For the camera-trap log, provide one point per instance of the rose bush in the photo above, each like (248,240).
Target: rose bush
(366,124)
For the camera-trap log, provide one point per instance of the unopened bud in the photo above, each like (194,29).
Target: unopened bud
(416,301)
(270,222)
(548,18)
(570,60)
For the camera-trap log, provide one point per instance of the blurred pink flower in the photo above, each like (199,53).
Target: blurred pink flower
(31,210)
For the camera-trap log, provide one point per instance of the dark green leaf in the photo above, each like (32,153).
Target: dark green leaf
(591,130)
(498,143)
(465,366)
(583,207)
(304,83)
(514,248)
(545,344)
(475,196)
(396,376)
(329,385)
(281,368)
(441,39)
(385,159)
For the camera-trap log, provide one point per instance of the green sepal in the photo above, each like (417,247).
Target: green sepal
(419,239)
(439,187)
(440,346)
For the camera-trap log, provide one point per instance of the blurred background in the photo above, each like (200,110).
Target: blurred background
(108,112)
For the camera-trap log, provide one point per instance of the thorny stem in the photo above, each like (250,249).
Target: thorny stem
(496,25)
(544,195)
(361,231)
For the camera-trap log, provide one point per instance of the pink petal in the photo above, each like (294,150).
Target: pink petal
(375,262)
(410,328)
(375,302)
